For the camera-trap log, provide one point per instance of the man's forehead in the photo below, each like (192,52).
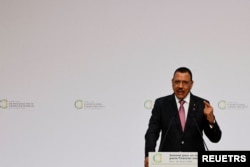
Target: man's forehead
(182,76)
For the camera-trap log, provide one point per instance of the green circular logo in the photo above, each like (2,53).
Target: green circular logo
(222,104)
(79,104)
(3,103)
(157,158)
(148,104)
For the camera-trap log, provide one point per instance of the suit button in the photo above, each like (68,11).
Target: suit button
(182,142)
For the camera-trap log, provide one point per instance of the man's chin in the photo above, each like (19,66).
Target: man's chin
(180,96)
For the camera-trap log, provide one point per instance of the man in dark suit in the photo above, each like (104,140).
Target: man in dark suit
(197,115)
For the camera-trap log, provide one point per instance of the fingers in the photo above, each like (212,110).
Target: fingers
(207,107)
(206,104)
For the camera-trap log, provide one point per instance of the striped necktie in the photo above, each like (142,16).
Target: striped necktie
(182,114)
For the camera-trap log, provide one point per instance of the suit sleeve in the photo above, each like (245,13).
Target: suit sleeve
(213,133)
(153,130)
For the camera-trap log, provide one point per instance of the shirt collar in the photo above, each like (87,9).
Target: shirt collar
(186,99)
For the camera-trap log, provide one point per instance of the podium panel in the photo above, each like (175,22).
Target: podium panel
(173,159)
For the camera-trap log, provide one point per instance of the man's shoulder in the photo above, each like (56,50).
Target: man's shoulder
(165,98)
(197,98)
(171,97)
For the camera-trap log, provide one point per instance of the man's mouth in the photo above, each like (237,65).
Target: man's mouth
(180,91)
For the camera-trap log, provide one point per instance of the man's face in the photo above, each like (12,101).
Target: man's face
(181,84)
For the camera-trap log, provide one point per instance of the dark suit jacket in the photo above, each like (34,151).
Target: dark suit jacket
(165,119)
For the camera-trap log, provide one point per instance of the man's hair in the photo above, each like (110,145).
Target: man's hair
(184,70)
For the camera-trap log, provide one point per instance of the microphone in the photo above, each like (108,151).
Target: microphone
(197,127)
(169,125)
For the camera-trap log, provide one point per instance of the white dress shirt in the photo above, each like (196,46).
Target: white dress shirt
(185,105)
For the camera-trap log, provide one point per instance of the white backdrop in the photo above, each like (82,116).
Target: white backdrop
(78,76)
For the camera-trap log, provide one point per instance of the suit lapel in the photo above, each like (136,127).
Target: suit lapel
(176,113)
(191,108)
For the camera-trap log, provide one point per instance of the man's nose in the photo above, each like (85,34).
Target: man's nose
(180,84)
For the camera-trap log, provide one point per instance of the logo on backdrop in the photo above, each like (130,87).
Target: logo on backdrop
(3,103)
(15,104)
(88,105)
(231,105)
(148,104)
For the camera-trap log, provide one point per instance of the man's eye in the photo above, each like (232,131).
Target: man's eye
(177,82)
(185,82)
